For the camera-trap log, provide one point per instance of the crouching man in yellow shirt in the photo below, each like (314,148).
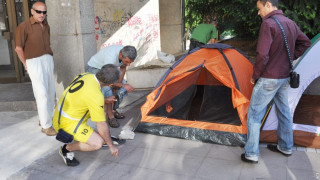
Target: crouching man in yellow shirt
(81,100)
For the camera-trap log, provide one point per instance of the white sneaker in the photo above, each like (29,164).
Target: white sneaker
(69,158)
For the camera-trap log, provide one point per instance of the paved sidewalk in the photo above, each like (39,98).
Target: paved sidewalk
(26,153)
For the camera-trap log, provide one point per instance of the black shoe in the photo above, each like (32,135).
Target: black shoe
(117,115)
(274,148)
(116,141)
(243,158)
(113,122)
(69,158)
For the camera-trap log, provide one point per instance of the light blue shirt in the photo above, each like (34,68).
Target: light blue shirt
(107,55)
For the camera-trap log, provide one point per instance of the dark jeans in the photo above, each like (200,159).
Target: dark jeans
(194,44)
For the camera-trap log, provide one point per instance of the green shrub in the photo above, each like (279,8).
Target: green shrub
(241,16)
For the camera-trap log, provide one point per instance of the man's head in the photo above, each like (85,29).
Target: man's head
(127,55)
(39,11)
(108,74)
(266,6)
(214,22)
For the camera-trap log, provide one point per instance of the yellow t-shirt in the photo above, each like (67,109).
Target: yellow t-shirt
(85,95)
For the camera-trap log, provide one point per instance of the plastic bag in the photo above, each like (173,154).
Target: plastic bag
(167,58)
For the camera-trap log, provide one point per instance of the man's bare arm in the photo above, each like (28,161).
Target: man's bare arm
(104,132)
(123,70)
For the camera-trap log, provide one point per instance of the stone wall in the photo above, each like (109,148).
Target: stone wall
(72,38)
(134,22)
(79,28)
(171,25)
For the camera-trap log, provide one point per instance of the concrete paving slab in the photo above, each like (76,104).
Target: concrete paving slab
(193,148)
(302,149)
(22,142)
(220,151)
(305,160)
(311,150)
(263,170)
(141,163)
(122,171)
(180,164)
(26,153)
(213,168)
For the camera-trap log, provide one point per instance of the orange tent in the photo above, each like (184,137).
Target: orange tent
(204,96)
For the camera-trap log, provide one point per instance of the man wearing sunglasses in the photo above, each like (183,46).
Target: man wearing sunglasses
(33,49)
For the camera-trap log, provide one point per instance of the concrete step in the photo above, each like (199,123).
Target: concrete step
(17,97)
(148,75)
(145,78)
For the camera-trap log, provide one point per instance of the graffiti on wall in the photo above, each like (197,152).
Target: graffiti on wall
(138,28)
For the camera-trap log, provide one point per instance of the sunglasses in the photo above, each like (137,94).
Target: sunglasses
(39,12)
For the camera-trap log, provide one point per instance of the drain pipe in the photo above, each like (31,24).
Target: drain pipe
(183,31)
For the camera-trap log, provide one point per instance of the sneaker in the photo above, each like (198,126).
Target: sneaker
(69,158)
(275,148)
(113,122)
(49,131)
(115,141)
(243,158)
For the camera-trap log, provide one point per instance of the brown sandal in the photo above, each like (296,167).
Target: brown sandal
(113,122)
(118,115)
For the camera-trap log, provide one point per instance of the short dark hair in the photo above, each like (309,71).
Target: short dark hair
(273,2)
(130,52)
(108,74)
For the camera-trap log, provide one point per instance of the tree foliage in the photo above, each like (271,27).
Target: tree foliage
(241,16)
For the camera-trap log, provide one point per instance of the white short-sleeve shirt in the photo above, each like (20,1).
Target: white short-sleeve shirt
(107,55)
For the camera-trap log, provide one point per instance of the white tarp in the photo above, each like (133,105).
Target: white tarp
(308,66)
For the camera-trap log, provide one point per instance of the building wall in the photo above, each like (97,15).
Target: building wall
(79,28)
(4,49)
(72,38)
(134,22)
(171,24)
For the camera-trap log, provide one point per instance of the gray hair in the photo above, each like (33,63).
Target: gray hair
(108,74)
(36,3)
(130,52)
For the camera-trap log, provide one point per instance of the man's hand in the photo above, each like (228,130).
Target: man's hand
(128,87)
(25,66)
(19,51)
(252,81)
(110,99)
(104,132)
(114,150)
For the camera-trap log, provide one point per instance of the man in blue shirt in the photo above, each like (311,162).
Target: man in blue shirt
(121,56)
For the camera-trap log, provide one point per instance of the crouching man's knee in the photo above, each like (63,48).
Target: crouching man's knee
(95,141)
(97,146)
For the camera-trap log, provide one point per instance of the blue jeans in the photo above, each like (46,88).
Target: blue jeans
(263,92)
(107,91)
